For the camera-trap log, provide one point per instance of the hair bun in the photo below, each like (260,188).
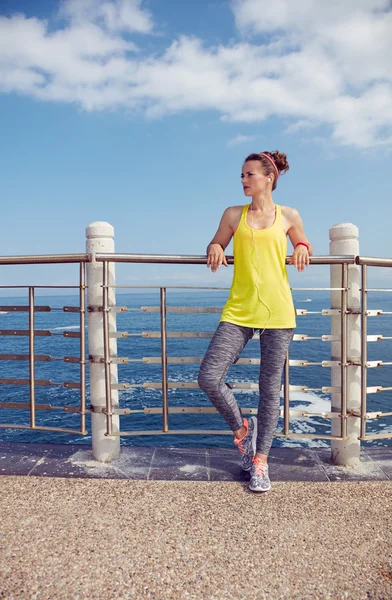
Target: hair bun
(280,159)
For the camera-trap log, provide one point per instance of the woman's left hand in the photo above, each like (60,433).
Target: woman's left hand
(300,258)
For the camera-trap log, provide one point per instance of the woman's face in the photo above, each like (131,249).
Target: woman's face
(253,179)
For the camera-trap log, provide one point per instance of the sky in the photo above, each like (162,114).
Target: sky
(141,112)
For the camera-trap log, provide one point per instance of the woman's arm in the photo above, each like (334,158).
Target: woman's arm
(224,232)
(296,233)
(220,241)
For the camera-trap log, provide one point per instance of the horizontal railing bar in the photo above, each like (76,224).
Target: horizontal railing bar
(183,385)
(25,308)
(378,290)
(73,359)
(380,436)
(25,332)
(154,360)
(298,337)
(202,259)
(158,410)
(311,436)
(377,415)
(172,432)
(301,312)
(377,388)
(42,287)
(371,261)
(41,428)
(40,382)
(122,309)
(16,381)
(38,333)
(37,357)
(124,334)
(219,432)
(323,338)
(168,287)
(327,312)
(26,406)
(200,287)
(182,309)
(117,360)
(45,259)
(157,258)
(212,410)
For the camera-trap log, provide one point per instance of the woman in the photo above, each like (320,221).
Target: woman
(260,299)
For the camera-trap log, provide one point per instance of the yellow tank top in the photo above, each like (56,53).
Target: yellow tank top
(260,264)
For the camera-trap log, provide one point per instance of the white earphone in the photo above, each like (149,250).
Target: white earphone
(269,179)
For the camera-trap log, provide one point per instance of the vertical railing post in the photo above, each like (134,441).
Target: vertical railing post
(364,353)
(286,396)
(32,357)
(165,400)
(82,349)
(100,239)
(344,242)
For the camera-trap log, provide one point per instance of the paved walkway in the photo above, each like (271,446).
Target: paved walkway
(190,464)
(82,531)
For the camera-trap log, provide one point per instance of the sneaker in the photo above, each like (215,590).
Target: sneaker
(259,480)
(247,445)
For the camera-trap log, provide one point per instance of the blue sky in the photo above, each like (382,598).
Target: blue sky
(140,113)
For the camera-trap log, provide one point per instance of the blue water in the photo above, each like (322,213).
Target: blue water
(135,373)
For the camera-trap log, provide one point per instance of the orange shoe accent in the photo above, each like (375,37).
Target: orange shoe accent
(238,442)
(260,466)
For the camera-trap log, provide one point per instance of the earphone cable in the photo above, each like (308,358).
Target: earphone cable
(259,275)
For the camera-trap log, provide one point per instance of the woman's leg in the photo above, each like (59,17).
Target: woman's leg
(226,345)
(274,344)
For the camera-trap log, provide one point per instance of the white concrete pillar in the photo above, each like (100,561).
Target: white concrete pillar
(100,239)
(344,241)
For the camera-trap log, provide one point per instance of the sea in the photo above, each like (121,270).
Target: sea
(136,347)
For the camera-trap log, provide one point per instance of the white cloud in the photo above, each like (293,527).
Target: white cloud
(303,16)
(316,64)
(240,139)
(114,15)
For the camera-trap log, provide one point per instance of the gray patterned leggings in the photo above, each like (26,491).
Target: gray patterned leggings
(226,345)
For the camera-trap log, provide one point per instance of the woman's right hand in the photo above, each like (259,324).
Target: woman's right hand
(216,257)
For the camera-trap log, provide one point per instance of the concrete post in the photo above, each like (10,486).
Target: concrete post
(344,241)
(100,239)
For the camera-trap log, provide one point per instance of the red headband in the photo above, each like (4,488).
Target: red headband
(271,161)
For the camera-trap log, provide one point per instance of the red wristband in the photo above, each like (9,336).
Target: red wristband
(303,244)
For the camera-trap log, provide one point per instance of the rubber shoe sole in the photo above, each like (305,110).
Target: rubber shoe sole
(259,490)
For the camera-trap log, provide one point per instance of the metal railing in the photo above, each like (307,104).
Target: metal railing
(163,334)
(32,406)
(364,263)
(344,364)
